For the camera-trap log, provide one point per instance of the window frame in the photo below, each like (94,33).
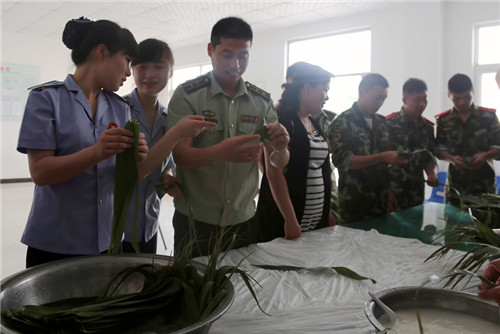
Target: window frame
(337,76)
(478,69)
(170,85)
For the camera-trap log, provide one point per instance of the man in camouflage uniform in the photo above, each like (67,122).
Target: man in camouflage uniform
(361,151)
(411,131)
(469,138)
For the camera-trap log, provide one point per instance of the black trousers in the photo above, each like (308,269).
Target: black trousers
(144,247)
(208,234)
(36,256)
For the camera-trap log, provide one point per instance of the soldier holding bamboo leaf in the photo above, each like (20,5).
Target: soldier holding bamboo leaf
(468,137)
(361,152)
(219,168)
(412,135)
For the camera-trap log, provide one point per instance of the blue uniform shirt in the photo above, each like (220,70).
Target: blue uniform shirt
(148,199)
(71,217)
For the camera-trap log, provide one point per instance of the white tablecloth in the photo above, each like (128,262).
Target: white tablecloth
(323,301)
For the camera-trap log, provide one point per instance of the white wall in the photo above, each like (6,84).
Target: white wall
(430,40)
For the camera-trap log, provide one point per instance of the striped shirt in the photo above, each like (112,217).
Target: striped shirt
(315,188)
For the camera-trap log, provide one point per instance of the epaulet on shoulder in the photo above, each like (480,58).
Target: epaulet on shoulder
(488,109)
(256,90)
(53,83)
(191,86)
(443,113)
(394,114)
(428,121)
(120,97)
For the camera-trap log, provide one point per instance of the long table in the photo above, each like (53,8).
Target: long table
(322,301)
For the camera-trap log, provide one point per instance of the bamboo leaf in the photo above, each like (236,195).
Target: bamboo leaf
(126,182)
(340,270)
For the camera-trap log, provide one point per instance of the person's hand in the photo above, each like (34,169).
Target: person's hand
(492,272)
(459,163)
(432,180)
(479,160)
(292,229)
(192,126)
(113,141)
(170,185)
(239,148)
(393,158)
(393,202)
(142,147)
(278,136)
(331,219)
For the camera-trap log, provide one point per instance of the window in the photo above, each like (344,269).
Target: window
(184,74)
(346,55)
(486,64)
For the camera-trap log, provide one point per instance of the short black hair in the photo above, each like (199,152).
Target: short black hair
(414,85)
(371,80)
(151,50)
(459,83)
(230,27)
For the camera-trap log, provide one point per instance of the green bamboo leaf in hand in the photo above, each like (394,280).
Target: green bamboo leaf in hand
(126,183)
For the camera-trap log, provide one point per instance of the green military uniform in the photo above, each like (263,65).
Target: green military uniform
(363,193)
(407,182)
(479,133)
(223,192)
(324,119)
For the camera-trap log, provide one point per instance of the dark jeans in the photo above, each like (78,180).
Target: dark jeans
(144,247)
(208,234)
(35,256)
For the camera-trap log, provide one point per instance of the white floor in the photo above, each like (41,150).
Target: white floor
(16,200)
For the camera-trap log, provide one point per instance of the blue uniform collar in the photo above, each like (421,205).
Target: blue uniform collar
(102,103)
(137,111)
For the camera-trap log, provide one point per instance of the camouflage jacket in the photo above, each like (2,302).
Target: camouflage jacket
(323,119)
(407,182)
(479,133)
(363,193)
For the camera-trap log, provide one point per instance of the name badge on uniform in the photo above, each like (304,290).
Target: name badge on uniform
(209,116)
(249,119)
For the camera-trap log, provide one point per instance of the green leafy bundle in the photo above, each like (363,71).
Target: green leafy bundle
(406,153)
(481,243)
(126,183)
(261,130)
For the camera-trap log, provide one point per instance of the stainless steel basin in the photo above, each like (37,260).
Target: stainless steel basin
(85,277)
(404,297)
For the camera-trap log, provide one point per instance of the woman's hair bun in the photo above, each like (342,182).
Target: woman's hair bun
(74,31)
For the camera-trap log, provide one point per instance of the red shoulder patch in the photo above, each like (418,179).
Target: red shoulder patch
(394,114)
(428,120)
(443,113)
(487,109)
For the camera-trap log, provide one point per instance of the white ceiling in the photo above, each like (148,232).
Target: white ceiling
(179,23)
